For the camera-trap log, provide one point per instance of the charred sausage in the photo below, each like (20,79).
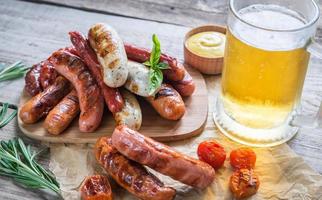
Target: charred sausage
(39,105)
(48,74)
(130,175)
(162,158)
(89,95)
(62,114)
(112,96)
(138,54)
(110,53)
(32,80)
(168,103)
(186,86)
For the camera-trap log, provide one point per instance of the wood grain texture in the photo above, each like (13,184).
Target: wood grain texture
(153,125)
(31,31)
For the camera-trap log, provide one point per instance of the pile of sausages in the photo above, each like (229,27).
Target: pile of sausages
(124,155)
(78,80)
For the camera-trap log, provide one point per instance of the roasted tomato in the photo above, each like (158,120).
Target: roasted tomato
(244,183)
(96,187)
(243,158)
(212,153)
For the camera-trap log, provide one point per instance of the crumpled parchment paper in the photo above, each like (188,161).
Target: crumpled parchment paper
(282,173)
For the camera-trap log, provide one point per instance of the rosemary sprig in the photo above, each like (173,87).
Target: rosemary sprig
(18,162)
(3,112)
(13,71)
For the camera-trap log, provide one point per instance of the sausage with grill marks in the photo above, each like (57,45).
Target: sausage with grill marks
(39,105)
(59,118)
(168,103)
(162,158)
(88,92)
(132,176)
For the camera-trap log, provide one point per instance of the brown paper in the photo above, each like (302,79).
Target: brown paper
(282,173)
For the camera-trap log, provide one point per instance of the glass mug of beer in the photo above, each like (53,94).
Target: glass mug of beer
(268,48)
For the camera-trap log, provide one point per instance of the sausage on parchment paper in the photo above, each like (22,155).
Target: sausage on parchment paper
(39,105)
(131,175)
(162,158)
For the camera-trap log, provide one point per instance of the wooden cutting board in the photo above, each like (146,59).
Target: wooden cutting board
(191,124)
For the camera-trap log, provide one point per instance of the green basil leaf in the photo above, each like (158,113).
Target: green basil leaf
(147,63)
(155,79)
(156,50)
(163,65)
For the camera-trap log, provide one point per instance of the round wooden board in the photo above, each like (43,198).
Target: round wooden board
(154,126)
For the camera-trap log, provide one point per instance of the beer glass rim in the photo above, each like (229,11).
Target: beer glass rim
(307,25)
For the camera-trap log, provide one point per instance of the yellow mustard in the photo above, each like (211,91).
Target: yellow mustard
(208,44)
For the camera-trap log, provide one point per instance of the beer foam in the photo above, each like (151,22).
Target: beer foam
(275,22)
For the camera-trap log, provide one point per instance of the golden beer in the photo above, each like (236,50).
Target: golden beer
(262,86)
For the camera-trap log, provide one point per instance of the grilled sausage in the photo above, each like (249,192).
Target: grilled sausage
(162,158)
(48,74)
(130,175)
(138,54)
(168,103)
(39,105)
(32,80)
(131,114)
(138,79)
(62,114)
(110,53)
(112,96)
(89,95)
(186,86)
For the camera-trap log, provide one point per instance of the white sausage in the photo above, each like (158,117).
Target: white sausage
(110,52)
(138,79)
(131,114)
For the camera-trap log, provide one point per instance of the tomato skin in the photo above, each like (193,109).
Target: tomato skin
(243,158)
(212,153)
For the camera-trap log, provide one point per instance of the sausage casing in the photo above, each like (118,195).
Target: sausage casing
(110,53)
(168,103)
(112,96)
(138,54)
(32,80)
(186,86)
(39,105)
(130,175)
(162,158)
(62,114)
(89,95)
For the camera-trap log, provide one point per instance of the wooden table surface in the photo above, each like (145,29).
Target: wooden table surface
(30,31)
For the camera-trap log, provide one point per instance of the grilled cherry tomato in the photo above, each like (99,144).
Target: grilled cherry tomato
(96,187)
(243,158)
(212,153)
(244,183)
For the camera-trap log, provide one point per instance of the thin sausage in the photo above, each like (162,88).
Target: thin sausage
(112,96)
(186,86)
(139,54)
(59,118)
(89,95)
(39,105)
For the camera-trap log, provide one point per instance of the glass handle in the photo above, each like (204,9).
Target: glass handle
(305,121)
